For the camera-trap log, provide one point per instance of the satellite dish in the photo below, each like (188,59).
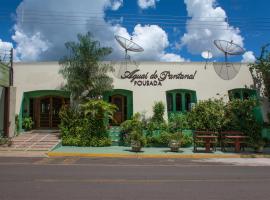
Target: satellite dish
(206,55)
(127,64)
(121,67)
(226,70)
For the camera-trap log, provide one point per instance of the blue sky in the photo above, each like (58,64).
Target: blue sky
(168,30)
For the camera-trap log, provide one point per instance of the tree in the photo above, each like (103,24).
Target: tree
(260,71)
(86,77)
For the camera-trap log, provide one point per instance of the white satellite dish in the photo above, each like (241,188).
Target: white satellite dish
(207,55)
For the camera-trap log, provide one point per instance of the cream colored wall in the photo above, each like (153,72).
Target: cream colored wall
(207,84)
(35,76)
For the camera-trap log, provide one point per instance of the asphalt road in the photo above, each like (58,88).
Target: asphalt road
(107,178)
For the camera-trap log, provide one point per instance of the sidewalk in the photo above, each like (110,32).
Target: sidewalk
(147,152)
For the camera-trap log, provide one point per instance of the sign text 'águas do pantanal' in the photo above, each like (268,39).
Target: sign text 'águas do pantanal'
(154,79)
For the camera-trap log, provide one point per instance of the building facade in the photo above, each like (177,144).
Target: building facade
(7,103)
(178,85)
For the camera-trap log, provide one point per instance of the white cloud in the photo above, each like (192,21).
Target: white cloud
(154,40)
(170,57)
(208,22)
(29,47)
(115,4)
(42,36)
(248,57)
(5,48)
(144,4)
(5,45)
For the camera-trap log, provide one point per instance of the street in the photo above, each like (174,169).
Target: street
(109,178)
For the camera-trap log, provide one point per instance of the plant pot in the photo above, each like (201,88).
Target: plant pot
(136,146)
(174,145)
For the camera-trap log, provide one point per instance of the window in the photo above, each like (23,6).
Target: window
(245,95)
(169,102)
(188,101)
(180,100)
(242,93)
(237,95)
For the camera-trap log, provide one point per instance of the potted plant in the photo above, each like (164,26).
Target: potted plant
(174,145)
(137,140)
(27,123)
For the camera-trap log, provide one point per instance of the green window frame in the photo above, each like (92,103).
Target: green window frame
(180,100)
(242,93)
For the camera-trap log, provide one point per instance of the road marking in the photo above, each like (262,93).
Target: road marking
(44,161)
(150,180)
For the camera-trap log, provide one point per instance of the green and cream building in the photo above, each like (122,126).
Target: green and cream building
(178,85)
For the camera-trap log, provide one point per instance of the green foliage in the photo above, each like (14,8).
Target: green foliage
(178,122)
(158,112)
(163,139)
(154,128)
(27,123)
(260,71)
(137,137)
(86,126)
(207,115)
(186,140)
(86,77)
(128,126)
(241,116)
(97,112)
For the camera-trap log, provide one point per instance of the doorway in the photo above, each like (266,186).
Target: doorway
(45,111)
(120,114)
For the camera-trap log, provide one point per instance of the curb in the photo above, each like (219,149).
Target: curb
(137,155)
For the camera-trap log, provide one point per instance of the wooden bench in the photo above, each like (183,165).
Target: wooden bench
(207,139)
(233,138)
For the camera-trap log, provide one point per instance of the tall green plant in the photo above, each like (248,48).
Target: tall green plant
(260,71)
(158,112)
(98,112)
(86,77)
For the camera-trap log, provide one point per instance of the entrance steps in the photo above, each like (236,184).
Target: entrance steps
(33,142)
(114,133)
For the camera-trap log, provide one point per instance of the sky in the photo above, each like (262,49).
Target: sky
(168,30)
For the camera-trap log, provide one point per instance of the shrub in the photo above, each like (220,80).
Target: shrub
(207,115)
(186,140)
(134,124)
(158,112)
(178,122)
(27,123)
(87,125)
(241,116)
(160,140)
